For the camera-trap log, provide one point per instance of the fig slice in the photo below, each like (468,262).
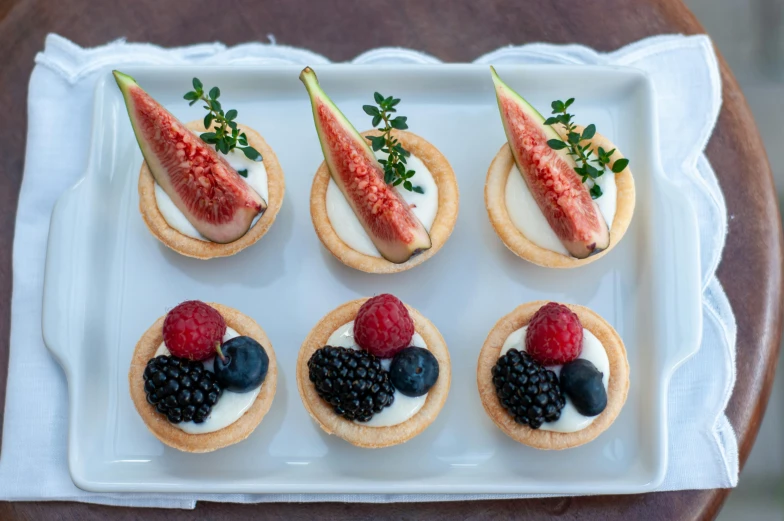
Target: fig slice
(200,182)
(557,189)
(386,217)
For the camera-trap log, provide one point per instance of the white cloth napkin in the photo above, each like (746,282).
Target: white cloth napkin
(703,450)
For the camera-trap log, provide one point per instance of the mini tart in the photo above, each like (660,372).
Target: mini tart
(356,433)
(190,247)
(444,223)
(207,442)
(617,388)
(495,201)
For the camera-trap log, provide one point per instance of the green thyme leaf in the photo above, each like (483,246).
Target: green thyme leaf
(251,153)
(243,172)
(620,165)
(589,131)
(581,153)
(225,133)
(394,165)
(399,123)
(592,171)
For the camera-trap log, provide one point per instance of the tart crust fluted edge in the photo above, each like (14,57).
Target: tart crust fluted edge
(355,433)
(207,442)
(190,247)
(617,388)
(444,223)
(519,244)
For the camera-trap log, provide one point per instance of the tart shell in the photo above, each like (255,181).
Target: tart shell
(617,388)
(519,244)
(444,223)
(207,442)
(355,433)
(190,247)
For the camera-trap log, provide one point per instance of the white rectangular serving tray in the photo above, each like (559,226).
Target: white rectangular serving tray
(108,279)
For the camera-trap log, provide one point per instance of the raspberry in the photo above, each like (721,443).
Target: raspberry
(383,326)
(192,329)
(554,335)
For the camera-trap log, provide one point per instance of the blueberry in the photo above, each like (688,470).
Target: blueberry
(243,365)
(413,371)
(581,381)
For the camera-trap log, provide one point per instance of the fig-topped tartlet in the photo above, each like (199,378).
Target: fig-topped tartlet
(203,377)
(206,189)
(553,376)
(374,372)
(558,194)
(385,200)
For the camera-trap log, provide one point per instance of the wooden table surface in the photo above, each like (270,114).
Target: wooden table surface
(751,269)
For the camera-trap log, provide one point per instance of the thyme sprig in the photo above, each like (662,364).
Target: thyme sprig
(395,168)
(582,152)
(226,136)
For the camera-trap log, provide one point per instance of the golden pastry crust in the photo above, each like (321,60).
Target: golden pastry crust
(617,388)
(444,223)
(190,247)
(519,244)
(234,433)
(355,433)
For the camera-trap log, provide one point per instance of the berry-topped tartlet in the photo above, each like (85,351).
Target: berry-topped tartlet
(553,376)
(385,200)
(203,377)
(374,372)
(558,194)
(206,189)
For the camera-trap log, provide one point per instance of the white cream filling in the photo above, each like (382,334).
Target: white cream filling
(230,407)
(347,226)
(404,407)
(257,180)
(593,351)
(529,219)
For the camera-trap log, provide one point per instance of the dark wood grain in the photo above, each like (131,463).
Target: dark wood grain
(751,269)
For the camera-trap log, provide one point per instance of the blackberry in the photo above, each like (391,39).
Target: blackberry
(180,389)
(352,381)
(529,392)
